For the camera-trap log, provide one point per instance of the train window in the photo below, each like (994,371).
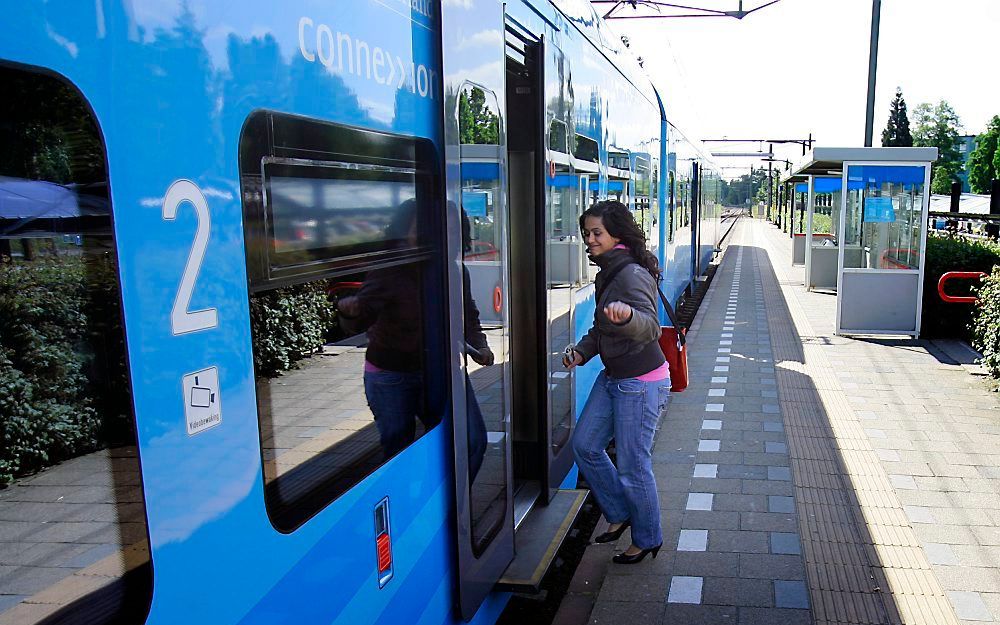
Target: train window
(557,137)
(324,209)
(654,205)
(585,149)
(641,199)
(671,205)
(72,512)
(484,216)
(344,259)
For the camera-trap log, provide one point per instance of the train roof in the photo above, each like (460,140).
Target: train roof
(583,15)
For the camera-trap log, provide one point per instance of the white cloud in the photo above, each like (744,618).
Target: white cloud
(482,38)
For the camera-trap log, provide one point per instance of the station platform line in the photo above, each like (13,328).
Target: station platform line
(809,478)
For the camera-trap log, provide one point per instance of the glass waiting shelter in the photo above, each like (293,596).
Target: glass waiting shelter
(823,198)
(798,189)
(867,208)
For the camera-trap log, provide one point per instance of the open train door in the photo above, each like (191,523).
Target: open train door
(696,219)
(476,186)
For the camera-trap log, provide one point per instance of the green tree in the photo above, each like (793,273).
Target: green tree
(476,122)
(897,129)
(761,182)
(941,181)
(938,126)
(996,161)
(983,160)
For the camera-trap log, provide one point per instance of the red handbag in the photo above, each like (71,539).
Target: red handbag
(674,345)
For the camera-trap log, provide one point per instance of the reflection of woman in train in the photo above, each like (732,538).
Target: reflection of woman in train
(479,350)
(628,396)
(389,306)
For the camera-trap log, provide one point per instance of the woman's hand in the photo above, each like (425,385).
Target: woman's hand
(484,357)
(576,359)
(618,312)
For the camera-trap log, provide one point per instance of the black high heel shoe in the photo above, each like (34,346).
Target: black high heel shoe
(623,558)
(608,537)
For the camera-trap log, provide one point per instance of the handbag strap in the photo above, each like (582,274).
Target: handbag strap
(673,318)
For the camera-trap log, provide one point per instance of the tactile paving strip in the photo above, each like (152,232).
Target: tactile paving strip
(864,564)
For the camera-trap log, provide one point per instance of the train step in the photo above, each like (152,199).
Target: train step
(538,539)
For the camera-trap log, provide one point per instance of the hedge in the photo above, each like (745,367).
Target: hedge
(986,326)
(952,253)
(64,390)
(52,332)
(288,324)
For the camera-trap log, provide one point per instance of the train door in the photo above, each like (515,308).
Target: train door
(695,220)
(545,204)
(477,206)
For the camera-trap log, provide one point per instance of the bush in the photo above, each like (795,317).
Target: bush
(986,326)
(288,324)
(949,253)
(46,409)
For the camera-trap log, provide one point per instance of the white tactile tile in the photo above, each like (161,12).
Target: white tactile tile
(684,589)
(715,407)
(725,342)
(722,359)
(692,540)
(716,392)
(724,350)
(706,470)
(711,424)
(708,445)
(721,369)
(719,379)
(726,335)
(700,501)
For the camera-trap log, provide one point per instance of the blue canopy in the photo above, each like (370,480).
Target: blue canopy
(480,171)
(865,176)
(826,185)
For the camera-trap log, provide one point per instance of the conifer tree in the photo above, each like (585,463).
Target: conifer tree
(897,129)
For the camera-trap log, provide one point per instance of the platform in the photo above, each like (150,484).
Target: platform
(810,478)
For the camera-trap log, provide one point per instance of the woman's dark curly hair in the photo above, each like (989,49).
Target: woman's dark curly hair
(620,224)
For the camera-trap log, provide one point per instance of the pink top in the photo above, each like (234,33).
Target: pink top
(370,368)
(660,373)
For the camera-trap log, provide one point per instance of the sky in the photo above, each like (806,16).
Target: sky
(801,66)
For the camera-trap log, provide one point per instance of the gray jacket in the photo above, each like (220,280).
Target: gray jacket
(630,349)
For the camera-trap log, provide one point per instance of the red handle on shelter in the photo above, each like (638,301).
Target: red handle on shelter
(957,275)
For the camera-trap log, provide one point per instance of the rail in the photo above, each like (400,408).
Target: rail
(958,275)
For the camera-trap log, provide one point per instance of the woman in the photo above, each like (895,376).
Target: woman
(628,396)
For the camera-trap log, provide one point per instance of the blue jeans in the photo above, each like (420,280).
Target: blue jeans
(396,401)
(628,410)
(475,432)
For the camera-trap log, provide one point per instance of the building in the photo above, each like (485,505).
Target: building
(966,144)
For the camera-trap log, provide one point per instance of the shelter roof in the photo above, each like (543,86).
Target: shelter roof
(830,161)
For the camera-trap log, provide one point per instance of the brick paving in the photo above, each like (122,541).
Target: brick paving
(810,478)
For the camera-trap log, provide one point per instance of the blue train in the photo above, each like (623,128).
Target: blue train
(285,289)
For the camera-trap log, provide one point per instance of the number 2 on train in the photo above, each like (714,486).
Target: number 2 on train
(182,320)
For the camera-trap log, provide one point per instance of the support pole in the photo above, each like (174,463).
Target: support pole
(770,190)
(872,63)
